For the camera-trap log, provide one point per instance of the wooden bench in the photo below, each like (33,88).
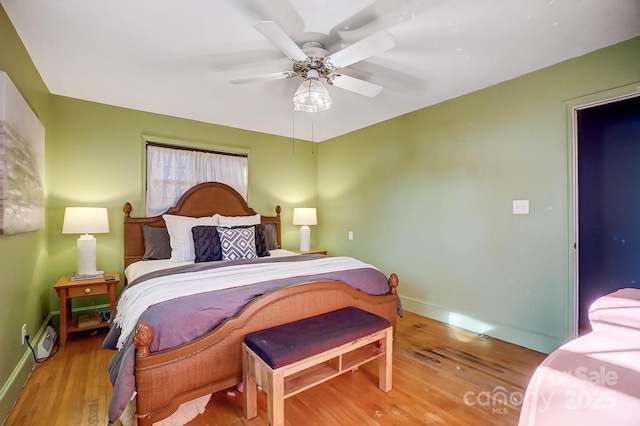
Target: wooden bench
(291,358)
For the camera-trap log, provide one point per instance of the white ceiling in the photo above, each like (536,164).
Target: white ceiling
(176,57)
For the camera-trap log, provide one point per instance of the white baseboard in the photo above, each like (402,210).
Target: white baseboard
(529,339)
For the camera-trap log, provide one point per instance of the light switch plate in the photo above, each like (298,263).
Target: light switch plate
(520,206)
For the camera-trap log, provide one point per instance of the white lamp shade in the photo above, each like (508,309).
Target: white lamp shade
(305,216)
(85,220)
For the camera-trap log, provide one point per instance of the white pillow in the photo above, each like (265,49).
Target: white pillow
(180,236)
(229,221)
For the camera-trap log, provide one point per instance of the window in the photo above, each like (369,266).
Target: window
(171,171)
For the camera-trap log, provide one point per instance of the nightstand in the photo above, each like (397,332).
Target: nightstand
(311,251)
(68,289)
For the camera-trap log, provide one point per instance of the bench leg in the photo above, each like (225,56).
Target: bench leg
(275,399)
(250,387)
(385,363)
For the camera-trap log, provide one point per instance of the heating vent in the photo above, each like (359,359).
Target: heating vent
(46,343)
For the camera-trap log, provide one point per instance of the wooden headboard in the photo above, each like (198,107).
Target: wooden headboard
(204,199)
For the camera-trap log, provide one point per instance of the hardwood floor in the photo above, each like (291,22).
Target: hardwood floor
(441,376)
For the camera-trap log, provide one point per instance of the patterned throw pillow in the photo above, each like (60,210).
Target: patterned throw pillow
(262,247)
(238,243)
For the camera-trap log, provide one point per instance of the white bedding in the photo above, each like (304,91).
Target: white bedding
(136,299)
(138,269)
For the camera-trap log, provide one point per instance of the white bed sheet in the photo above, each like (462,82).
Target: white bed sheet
(138,269)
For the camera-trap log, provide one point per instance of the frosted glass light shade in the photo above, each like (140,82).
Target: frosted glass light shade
(311,95)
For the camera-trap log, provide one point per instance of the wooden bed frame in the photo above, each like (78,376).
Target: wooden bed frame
(213,362)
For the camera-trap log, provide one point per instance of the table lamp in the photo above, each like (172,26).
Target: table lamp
(305,217)
(86,221)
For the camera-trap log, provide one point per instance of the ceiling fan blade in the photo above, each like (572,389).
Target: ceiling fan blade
(354,85)
(277,36)
(281,11)
(365,48)
(263,77)
(382,15)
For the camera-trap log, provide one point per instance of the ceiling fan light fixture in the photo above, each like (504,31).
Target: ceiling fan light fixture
(311,95)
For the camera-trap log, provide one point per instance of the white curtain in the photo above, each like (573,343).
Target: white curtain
(171,172)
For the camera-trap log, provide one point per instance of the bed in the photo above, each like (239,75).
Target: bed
(593,379)
(201,355)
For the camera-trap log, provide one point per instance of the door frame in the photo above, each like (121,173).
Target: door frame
(572,106)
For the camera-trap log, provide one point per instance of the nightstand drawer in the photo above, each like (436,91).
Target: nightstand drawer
(88,290)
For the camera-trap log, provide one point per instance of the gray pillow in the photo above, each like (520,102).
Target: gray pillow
(271,233)
(156,243)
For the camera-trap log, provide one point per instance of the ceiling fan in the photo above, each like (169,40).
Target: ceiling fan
(313,63)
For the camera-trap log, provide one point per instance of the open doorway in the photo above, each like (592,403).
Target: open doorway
(608,201)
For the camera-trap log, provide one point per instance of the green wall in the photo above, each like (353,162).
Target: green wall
(23,257)
(431,200)
(94,157)
(96,154)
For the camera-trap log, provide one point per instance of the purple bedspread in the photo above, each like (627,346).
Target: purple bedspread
(184,319)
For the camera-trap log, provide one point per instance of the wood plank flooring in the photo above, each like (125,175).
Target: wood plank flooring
(441,376)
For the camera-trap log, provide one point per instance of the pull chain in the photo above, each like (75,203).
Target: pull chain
(312,138)
(293,132)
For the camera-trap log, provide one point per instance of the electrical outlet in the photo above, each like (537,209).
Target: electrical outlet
(24,331)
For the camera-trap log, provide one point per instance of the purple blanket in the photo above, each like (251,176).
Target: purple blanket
(184,319)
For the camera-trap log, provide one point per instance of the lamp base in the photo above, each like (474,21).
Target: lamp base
(305,238)
(86,254)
